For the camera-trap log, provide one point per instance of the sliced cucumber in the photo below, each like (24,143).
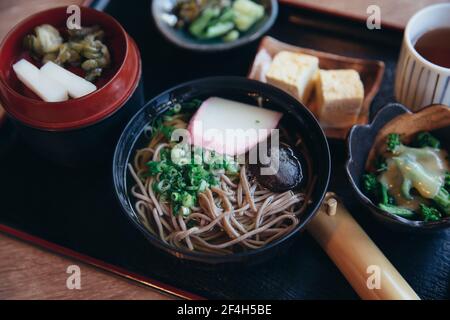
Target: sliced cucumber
(199,25)
(219,29)
(247,13)
(231,36)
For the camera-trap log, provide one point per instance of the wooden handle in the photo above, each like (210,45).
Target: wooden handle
(362,263)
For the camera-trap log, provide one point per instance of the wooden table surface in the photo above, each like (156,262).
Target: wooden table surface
(28,272)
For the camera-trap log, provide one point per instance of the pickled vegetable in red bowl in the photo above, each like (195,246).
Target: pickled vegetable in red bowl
(113,87)
(77,131)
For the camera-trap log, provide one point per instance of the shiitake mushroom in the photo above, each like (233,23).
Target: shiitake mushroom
(289,174)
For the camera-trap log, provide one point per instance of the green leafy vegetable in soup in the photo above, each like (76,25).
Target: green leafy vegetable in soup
(180,176)
(412,182)
(183,171)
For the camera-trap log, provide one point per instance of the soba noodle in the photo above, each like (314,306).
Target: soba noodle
(238,214)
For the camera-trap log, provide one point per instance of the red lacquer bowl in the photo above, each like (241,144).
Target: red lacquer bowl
(115,86)
(77,132)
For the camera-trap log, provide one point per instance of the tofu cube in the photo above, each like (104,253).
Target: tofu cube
(294,73)
(339,94)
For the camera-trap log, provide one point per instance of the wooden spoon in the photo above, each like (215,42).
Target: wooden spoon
(408,125)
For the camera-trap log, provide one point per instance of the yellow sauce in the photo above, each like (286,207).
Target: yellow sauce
(404,163)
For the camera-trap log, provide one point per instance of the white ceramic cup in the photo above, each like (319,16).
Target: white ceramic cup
(418,82)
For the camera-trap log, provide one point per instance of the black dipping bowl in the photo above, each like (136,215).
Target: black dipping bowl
(359,142)
(296,118)
(184,40)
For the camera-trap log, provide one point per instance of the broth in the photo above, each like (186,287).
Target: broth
(434,46)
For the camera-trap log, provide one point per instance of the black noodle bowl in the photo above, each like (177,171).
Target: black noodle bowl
(297,120)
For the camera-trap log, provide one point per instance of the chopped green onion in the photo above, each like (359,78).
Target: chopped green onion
(232,167)
(154,167)
(187,200)
(175,209)
(176,108)
(183,172)
(171,172)
(213,181)
(184,211)
(176,197)
(163,197)
(164,154)
(162,186)
(202,186)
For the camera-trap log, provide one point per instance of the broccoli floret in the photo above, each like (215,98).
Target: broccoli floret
(380,164)
(442,199)
(426,139)
(393,141)
(376,189)
(429,213)
(398,211)
(370,183)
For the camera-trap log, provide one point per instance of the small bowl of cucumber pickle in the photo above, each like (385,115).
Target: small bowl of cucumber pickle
(213,25)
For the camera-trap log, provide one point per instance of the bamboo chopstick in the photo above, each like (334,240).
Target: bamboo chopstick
(362,263)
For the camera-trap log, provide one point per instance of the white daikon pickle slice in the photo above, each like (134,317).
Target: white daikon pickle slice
(75,85)
(46,88)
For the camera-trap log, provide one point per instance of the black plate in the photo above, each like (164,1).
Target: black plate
(77,208)
(184,40)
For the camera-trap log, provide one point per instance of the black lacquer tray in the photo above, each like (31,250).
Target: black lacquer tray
(74,211)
